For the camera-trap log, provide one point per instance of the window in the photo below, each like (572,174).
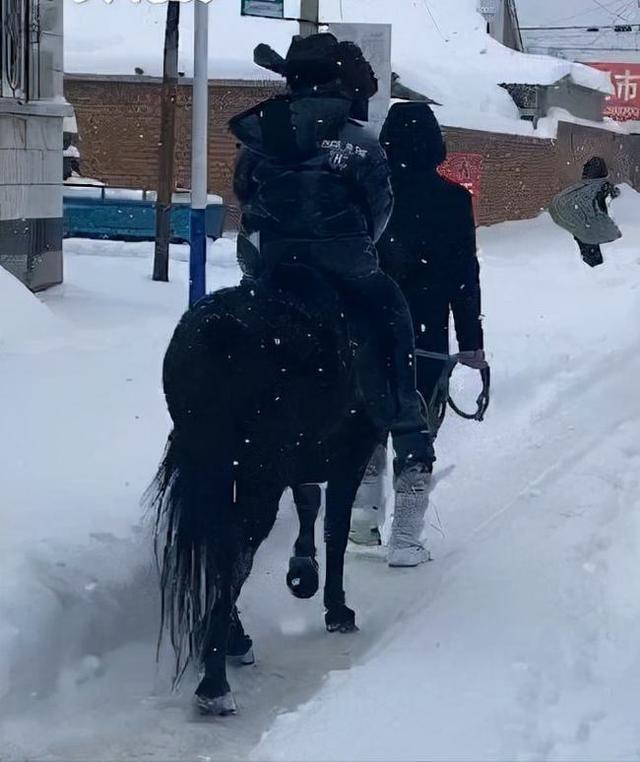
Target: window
(19,43)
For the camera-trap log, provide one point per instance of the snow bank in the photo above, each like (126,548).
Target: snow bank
(440,48)
(88,424)
(23,317)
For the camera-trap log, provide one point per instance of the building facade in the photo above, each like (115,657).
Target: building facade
(32,109)
(614,49)
(118,129)
(536,101)
(118,134)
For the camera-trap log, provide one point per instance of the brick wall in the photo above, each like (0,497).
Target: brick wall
(521,174)
(515,172)
(118,129)
(118,139)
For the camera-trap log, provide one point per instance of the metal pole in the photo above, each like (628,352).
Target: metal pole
(309,17)
(199,114)
(168,99)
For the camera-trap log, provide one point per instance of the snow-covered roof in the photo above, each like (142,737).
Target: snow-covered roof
(115,38)
(525,69)
(440,48)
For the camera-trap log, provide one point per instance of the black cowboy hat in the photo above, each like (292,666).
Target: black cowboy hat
(320,59)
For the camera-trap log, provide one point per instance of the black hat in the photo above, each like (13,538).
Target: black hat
(320,59)
(308,58)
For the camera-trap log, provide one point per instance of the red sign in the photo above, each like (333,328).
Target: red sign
(465,169)
(625,77)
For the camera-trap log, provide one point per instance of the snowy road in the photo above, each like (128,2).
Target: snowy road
(519,641)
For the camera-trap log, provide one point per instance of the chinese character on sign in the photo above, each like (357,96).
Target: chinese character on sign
(626,86)
(624,104)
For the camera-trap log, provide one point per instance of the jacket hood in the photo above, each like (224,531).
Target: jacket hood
(291,128)
(412,139)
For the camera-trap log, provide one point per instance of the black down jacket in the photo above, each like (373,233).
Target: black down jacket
(429,247)
(306,172)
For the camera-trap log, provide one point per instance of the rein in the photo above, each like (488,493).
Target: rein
(441,397)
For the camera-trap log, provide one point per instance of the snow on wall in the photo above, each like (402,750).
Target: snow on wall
(441,49)
(23,317)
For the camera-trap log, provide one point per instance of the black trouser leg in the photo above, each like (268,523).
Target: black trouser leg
(591,254)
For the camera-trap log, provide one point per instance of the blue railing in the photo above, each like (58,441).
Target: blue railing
(124,214)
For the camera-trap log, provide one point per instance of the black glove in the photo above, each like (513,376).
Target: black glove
(473,358)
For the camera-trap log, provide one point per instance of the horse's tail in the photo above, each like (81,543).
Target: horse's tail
(191,496)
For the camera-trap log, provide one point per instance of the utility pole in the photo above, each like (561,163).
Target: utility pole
(199,145)
(168,98)
(309,17)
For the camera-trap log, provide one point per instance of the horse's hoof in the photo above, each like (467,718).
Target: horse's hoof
(341,619)
(302,577)
(242,660)
(219,706)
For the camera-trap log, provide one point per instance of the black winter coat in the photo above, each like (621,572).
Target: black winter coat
(307,172)
(429,248)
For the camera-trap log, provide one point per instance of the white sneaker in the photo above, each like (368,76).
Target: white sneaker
(413,555)
(365,535)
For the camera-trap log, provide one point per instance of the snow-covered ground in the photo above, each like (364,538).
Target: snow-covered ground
(518,642)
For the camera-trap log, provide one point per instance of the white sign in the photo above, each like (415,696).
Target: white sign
(375,42)
(489,8)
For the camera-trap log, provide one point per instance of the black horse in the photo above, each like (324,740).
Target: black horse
(263,385)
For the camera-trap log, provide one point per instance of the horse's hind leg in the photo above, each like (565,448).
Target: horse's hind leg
(302,577)
(254,515)
(213,695)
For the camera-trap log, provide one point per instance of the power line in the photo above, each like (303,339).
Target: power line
(433,18)
(624,8)
(584,49)
(594,27)
(595,37)
(598,38)
(582,13)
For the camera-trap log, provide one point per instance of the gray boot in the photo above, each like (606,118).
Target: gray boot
(412,501)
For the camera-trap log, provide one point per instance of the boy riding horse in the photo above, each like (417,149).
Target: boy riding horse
(315,189)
